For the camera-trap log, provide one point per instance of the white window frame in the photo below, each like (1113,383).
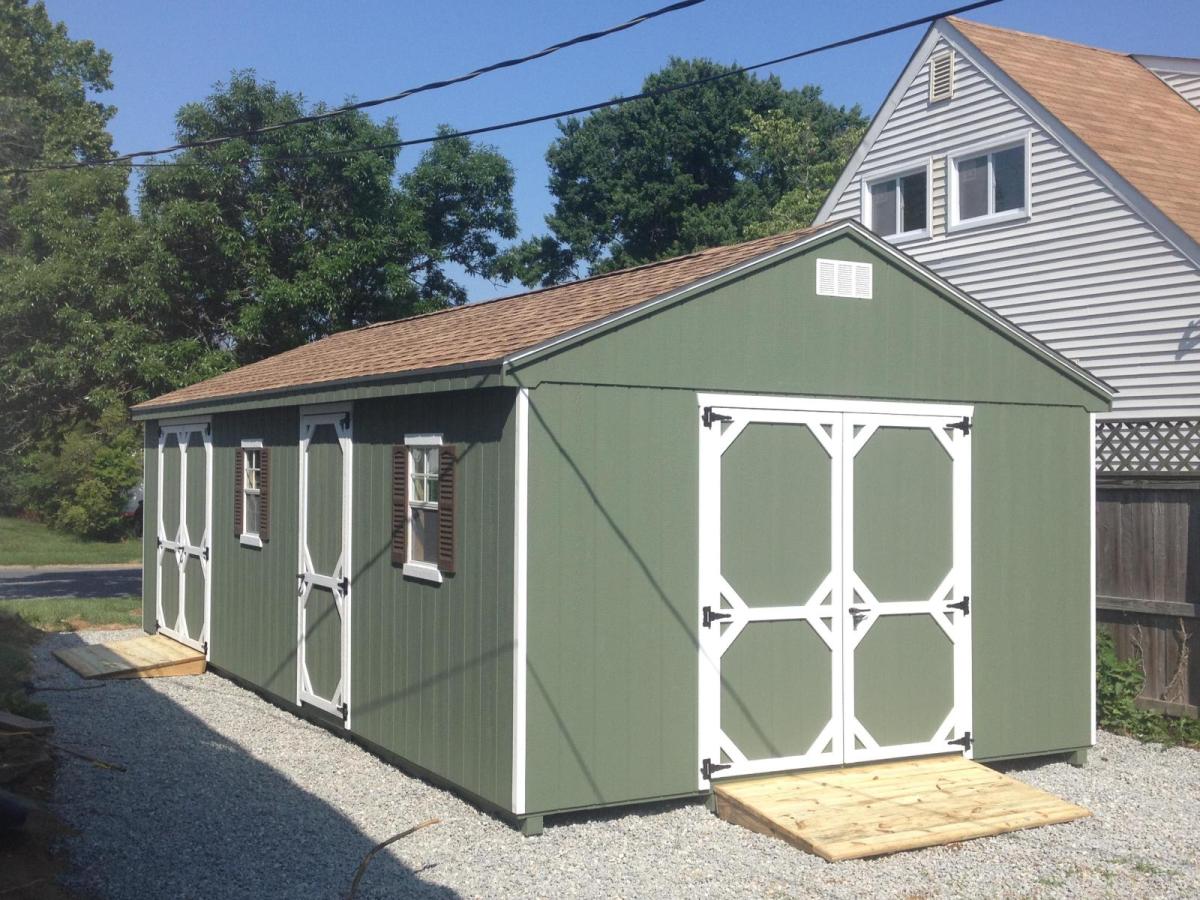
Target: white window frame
(953,222)
(249,536)
(895,175)
(426,571)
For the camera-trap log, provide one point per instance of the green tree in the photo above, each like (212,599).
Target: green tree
(273,240)
(668,174)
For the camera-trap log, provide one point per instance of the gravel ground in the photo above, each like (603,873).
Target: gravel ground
(226,796)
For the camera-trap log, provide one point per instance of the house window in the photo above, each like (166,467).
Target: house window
(423,505)
(990,185)
(898,206)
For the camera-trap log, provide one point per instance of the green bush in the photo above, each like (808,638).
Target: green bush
(1118,682)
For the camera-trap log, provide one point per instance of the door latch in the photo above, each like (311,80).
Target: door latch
(858,613)
(711,615)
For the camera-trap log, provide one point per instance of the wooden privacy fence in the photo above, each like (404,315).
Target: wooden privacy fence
(1148,585)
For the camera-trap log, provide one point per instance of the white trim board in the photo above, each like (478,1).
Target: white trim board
(520,596)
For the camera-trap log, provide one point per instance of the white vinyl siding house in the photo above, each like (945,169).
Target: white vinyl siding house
(1181,75)
(1073,262)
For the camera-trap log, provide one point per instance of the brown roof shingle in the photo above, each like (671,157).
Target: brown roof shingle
(478,333)
(1137,124)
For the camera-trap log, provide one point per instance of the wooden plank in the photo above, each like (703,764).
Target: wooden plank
(150,656)
(1148,607)
(888,807)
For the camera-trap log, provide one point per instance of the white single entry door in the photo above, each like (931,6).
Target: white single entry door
(183,583)
(323,614)
(834,571)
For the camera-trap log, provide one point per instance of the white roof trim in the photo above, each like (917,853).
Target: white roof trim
(1091,160)
(1053,357)
(1179,65)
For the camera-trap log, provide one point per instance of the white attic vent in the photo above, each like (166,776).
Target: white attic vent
(841,278)
(941,76)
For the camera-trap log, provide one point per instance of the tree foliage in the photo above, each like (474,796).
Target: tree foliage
(693,168)
(268,242)
(235,252)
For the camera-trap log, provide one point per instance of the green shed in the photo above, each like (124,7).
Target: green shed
(795,502)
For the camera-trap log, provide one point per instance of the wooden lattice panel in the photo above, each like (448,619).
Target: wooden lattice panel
(1148,447)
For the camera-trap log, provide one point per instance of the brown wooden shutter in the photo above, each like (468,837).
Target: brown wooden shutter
(447,495)
(399,504)
(237,491)
(264,494)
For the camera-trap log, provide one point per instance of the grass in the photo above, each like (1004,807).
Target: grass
(24,543)
(17,638)
(74,613)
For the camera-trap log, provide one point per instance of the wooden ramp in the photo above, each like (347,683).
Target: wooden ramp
(149,656)
(888,807)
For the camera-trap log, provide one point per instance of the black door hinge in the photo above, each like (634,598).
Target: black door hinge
(964,605)
(344,585)
(711,615)
(344,709)
(964,426)
(346,422)
(709,417)
(206,554)
(708,768)
(965,741)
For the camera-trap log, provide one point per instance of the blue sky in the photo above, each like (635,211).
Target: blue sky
(169,53)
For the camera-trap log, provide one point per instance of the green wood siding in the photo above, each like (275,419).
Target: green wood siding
(431,665)
(612,655)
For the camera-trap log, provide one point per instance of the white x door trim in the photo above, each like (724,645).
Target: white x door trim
(180,544)
(337,581)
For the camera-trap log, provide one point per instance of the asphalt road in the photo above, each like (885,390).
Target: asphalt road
(63,582)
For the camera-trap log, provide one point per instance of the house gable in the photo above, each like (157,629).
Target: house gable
(1088,272)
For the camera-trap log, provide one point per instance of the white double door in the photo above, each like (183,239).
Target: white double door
(183,554)
(834,602)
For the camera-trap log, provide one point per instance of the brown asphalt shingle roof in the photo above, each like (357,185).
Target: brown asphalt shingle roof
(1137,124)
(478,333)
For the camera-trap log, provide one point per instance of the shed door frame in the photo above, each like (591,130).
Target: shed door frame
(843,428)
(337,582)
(180,544)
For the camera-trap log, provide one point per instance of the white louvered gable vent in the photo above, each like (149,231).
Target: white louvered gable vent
(841,278)
(941,76)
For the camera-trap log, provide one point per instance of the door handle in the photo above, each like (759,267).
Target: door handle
(858,613)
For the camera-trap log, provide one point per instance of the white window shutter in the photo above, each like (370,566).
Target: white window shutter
(842,278)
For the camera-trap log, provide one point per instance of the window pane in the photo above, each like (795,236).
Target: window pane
(418,488)
(431,461)
(1008,168)
(416,458)
(912,201)
(431,489)
(424,535)
(972,187)
(883,208)
(250,512)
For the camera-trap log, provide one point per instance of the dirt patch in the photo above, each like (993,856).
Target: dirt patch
(30,861)
(75,623)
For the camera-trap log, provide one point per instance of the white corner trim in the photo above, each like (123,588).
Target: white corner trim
(1091,464)
(520,596)
(422,440)
(423,571)
(250,540)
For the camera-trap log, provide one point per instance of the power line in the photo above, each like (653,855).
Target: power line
(545,117)
(379,101)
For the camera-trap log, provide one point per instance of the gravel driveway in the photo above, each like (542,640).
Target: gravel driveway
(227,796)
